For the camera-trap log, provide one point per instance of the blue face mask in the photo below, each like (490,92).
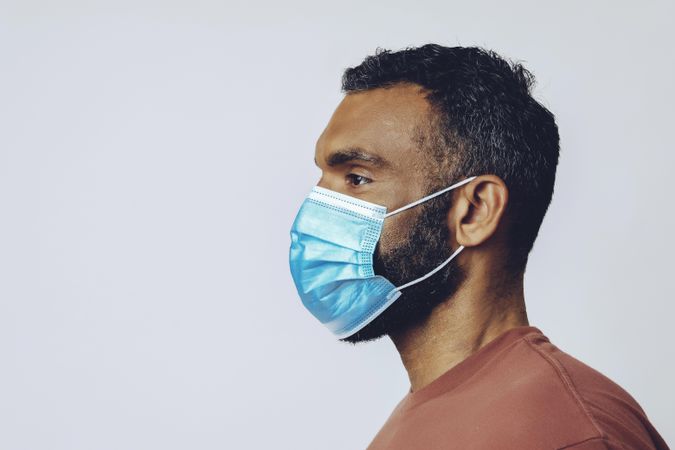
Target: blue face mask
(333,239)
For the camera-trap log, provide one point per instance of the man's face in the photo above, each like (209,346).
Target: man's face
(367,151)
(370,150)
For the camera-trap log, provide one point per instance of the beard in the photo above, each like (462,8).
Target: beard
(425,247)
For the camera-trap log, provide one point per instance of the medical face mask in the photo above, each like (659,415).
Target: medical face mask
(333,239)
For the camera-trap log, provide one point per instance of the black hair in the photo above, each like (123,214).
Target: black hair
(484,121)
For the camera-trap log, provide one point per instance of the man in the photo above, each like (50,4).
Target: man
(437,169)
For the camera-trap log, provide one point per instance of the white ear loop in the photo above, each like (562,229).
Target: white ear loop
(415,203)
(424,277)
(428,197)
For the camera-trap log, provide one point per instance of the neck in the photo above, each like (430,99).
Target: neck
(459,327)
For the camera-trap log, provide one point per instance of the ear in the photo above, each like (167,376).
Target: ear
(477,209)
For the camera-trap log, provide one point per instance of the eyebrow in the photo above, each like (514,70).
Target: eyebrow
(345,155)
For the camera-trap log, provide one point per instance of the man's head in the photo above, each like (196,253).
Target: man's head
(418,120)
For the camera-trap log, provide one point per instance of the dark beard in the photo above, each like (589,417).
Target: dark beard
(426,247)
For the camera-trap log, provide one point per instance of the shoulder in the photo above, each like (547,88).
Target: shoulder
(612,418)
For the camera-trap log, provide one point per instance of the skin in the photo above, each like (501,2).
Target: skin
(368,150)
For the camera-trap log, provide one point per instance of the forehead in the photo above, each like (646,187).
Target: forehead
(383,121)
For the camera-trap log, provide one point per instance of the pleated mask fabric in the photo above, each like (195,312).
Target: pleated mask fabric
(333,238)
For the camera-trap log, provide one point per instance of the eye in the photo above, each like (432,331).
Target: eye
(357,180)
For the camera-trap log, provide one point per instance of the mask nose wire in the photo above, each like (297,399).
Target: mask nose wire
(428,197)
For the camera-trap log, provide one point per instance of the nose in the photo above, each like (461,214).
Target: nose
(332,182)
(322,183)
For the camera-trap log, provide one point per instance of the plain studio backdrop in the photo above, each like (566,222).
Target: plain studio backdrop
(153,156)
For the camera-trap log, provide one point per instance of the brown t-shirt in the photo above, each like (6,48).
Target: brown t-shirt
(519,391)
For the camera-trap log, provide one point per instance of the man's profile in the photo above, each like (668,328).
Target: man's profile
(438,167)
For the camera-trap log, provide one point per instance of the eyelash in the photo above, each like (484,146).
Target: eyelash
(350,179)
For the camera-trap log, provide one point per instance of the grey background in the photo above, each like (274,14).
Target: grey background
(153,156)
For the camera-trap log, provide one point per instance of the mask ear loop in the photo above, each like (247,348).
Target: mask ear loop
(424,277)
(415,203)
(428,197)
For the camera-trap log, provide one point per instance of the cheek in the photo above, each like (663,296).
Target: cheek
(396,232)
